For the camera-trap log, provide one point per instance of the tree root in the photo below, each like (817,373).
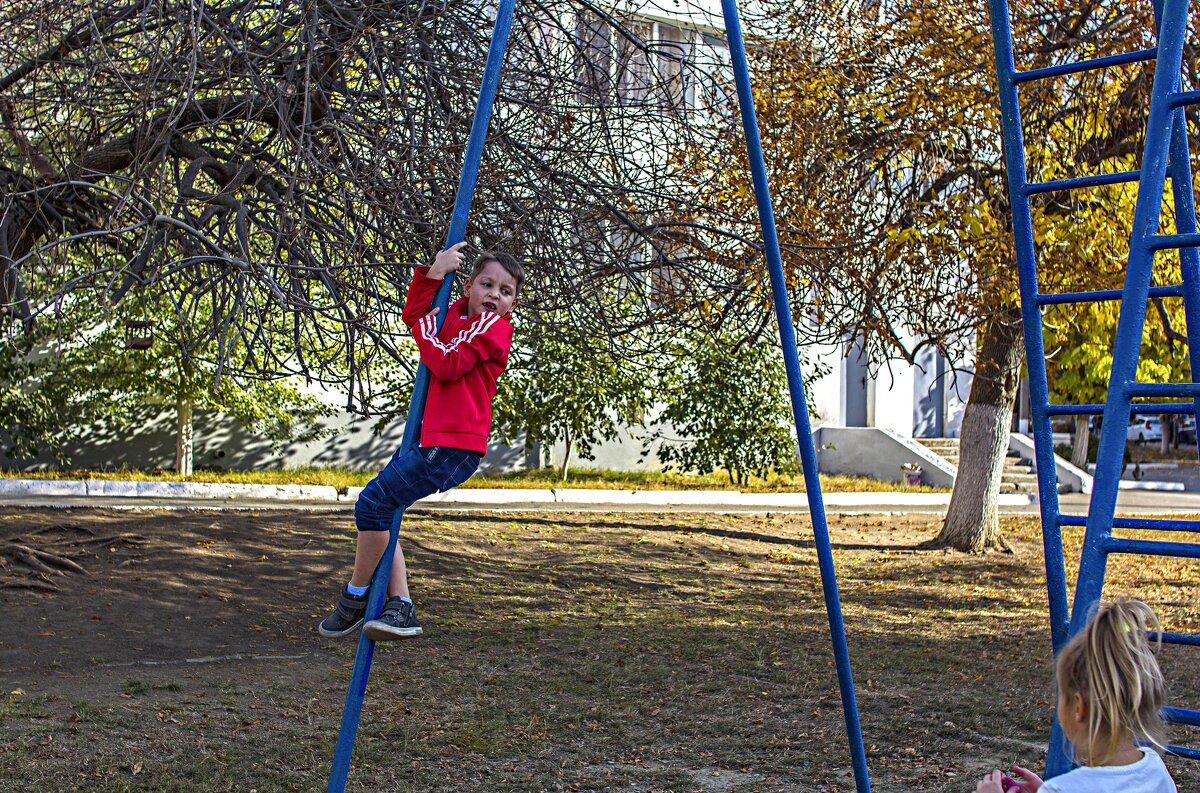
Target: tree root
(60,527)
(27,582)
(32,561)
(939,543)
(91,539)
(40,561)
(128,539)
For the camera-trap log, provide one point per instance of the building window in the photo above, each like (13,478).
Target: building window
(593,58)
(672,52)
(635,82)
(631,62)
(713,93)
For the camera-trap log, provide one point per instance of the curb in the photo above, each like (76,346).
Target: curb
(107,488)
(98,488)
(1149,484)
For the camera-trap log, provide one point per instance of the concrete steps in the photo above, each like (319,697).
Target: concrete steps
(1018,475)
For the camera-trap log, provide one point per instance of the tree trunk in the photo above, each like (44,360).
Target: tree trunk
(183,437)
(972,521)
(566,458)
(1168,433)
(1083,438)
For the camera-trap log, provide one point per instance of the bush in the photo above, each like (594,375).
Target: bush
(728,403)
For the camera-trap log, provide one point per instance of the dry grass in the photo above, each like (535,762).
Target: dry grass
(665,480)
(342,478)
(564,651)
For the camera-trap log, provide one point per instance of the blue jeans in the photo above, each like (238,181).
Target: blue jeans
(410,476)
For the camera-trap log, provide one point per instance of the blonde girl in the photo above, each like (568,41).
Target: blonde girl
(1110,690)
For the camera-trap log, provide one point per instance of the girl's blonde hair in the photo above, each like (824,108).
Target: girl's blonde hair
(1111,663)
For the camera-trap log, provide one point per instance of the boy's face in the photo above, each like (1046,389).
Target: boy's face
(492,290)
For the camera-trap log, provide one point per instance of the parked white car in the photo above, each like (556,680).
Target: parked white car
(1144,428)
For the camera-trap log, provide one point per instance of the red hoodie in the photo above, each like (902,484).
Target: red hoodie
(465,358)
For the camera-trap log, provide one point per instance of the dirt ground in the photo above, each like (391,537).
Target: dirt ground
(563,652)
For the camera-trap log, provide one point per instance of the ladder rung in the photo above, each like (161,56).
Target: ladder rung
(1142,408)
(1183,550)
(1083,66)
(1189,639)
(1075,410)
(1182,716)
(1141,524)
(1183,751)
(1104,294)
(1164,389)
(1184,98)
(1160,242)
(1034,188)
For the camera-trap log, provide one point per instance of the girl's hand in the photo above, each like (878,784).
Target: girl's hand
(1029,781)
(990,783)
(447,261)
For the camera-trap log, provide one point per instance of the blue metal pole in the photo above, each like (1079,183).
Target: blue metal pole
(1185,223)
(1133,311)
(1094,556)
(787,336)
(1031,320)
(416,411)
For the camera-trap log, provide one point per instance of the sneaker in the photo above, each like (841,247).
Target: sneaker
(398,620)
(346,617)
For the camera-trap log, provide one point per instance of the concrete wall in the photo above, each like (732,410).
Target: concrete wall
(939,396)
(219,443)
(925,400)
(826,391)
(855,451)
(877,453)
(894,399)
(1070,478)
(929,394)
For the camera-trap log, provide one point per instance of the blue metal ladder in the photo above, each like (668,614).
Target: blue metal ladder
(344,750)
(1165,154)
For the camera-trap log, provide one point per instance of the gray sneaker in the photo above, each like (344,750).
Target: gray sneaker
(398,621)
(346,618)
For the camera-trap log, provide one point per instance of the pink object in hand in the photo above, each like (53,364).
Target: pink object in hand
(1007,783)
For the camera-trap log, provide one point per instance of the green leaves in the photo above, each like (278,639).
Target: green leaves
(725,408)
(57,383)
(562,386)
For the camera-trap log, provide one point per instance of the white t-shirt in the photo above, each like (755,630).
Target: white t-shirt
(1148,775)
